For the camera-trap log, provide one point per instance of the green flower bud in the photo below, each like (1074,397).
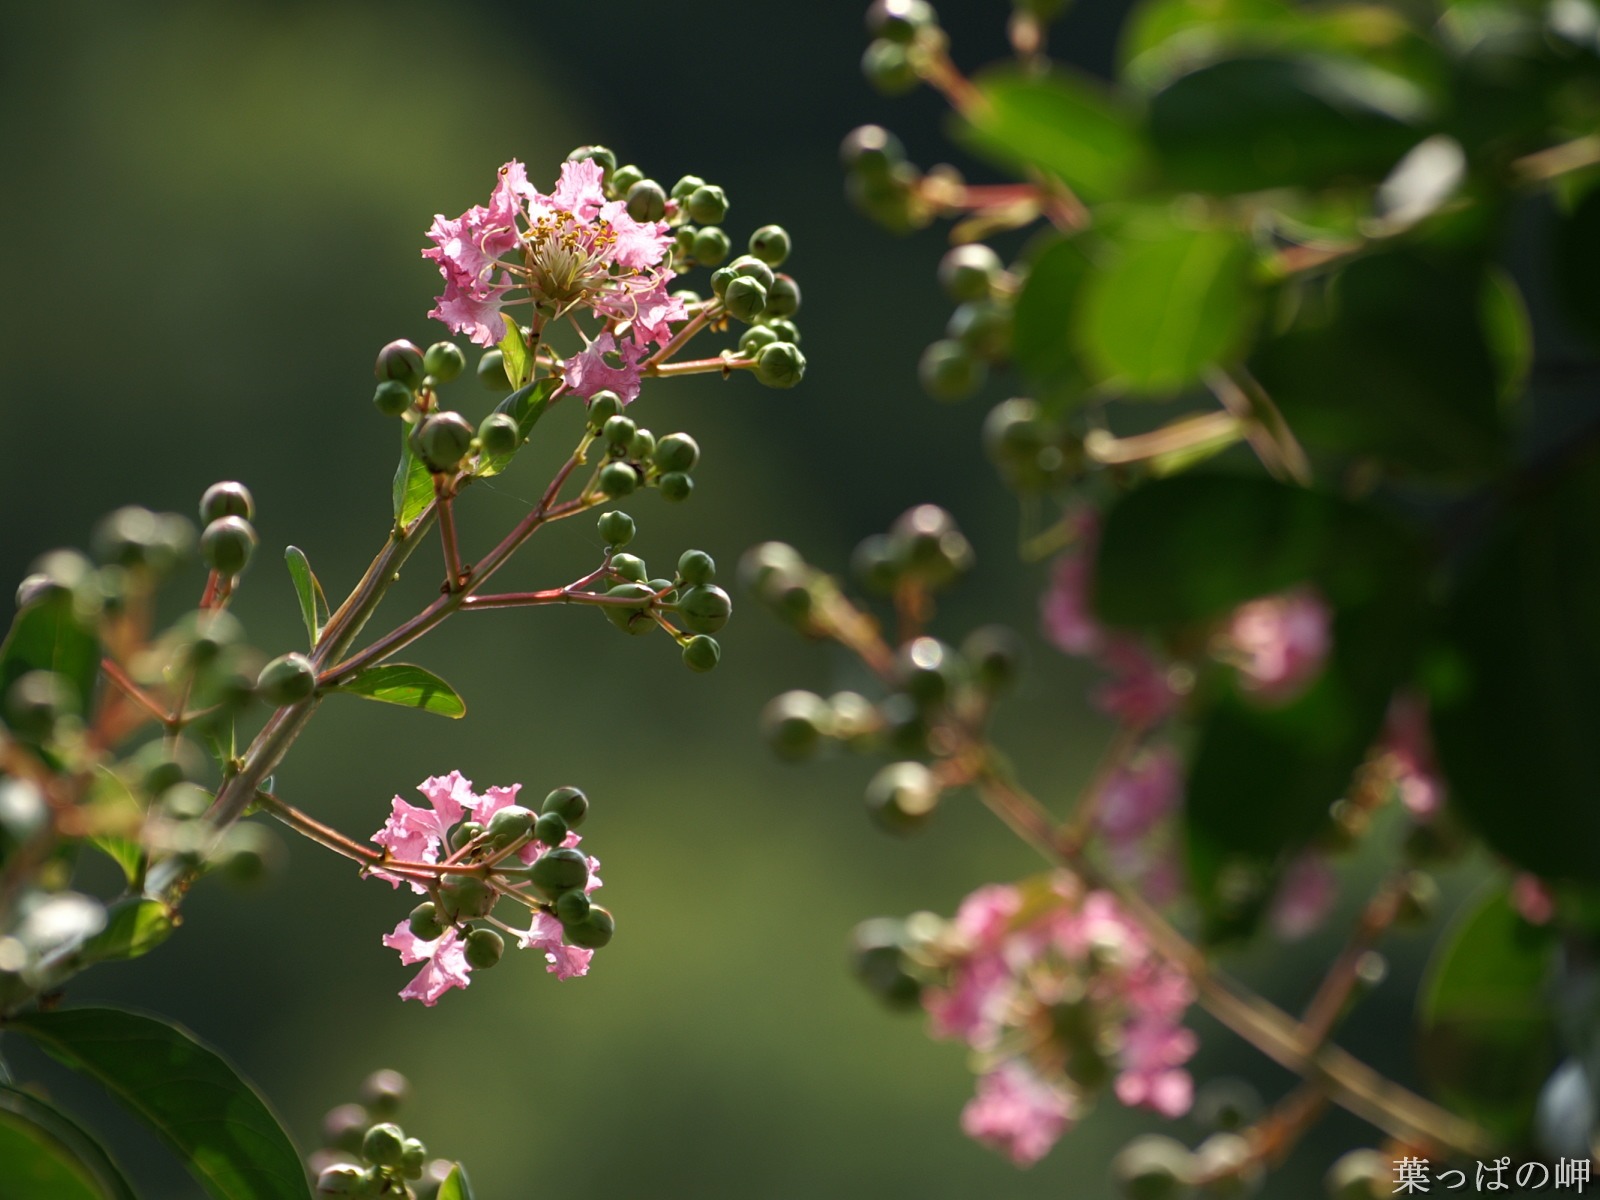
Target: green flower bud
(618,479)
(383,1092)
(162,764)
(569,802)
(414,1159)
(647,201)
(871,151)
(441,440)
(641,445)
(247,853)
(466,896)
(511,824)
(425,922)
(617,528)
(618,430)
(227,499)
(558,871)
(595,930)
(676,452)
(745,298)
(1226,1161)
(600,154)
(344,1127)
(853,720)
(342,1180)
(755,339)
(786,330)
(1152,1167)
(683,239)
(630,566)
(873,562)
(687,185)
(926,670)
(392,398)
(780,365)
(783,297)
(603,405)
(905,730)
(899,20)
(770,244)
(464,833)
(499,434)
(705,609)
(888,67)
(949,371)
(136,537)
(1359,1175)
(701,653)
(984,328)
(675,486)
(572,907)
(483,948)
(1019,442)
(902,796)
(492,372)
(995,655)
(969,272)
(634,619)
(751,267)
(877,956)
(623,178)
(227,544)
(36,701)
(551,829)
(444,361)
(710,247)
(794,723)
(400,360)
(287,679)
(1226,1105)
(707,205)
(928,544)
(721,278)
(384,1145)
(696,567)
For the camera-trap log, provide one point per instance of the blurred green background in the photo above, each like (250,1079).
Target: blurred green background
(209,222)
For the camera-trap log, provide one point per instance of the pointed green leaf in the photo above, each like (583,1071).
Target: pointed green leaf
(413,483)
(455,1186)
(134,927)
(406,685)
(46,1155)
(525,405)
(1040,344)
(514,351)
(52,635)
(219,1125)
(308,589)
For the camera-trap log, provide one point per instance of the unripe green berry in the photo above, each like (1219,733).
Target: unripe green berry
(483,948)
(624,178)
(569,802)
(995,655)
(984,328)
(342,1180)
(949,371)
(631,618)
(594,931)
(1226,1105)
(686,185)
(969,272)
(905,730)
(720,279)
(572,907)
(441,440)
(902,796)
(929,546)
(780,365)
(287,679)
(675,486)
(1359,1175)
(770,244)
(755,339)
(899,20)
(400,360)
(492,372)
(510,824)
(414,1159)
(786,330)
(558,871)
(676,452)
(745,298)
(444,361)
(384,1145)
(603,405)
(551,829)
(383,1092)
(617,528)
(873,563)
(1228,1164)
(888,67)
(1152,1167)
(499,434)
(36,701)
(710,246)
(600,154)
(392,398)
(227,544)
(425,922)
(696,567)
(871,151)
(647,201)
(793,724)
(618,479)
(133,536)
(464,897)
(877,956)
(630,567)
(618,430)
(925,669)
(751,267)
(227,499)
(705,609)
(783,297)
(641,445)
(464,833)
(344,1127)
(702,653)
(683,239)
(707,205)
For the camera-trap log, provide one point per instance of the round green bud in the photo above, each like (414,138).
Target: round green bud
(618,479)
(745,298)
(383,1092)
(1014,434)
(780,365)
(871,151)
(444,361)
(384,1145)
(414,1158)
(786,330)
(512,823)
(499,434)
(492,372)
(969,272)
(683,239)
(751,267)
(227,544)
(1226,1105)
(701,653)
(342,1180)
(36,701)
(617,528)
(603,405)
(770,244)
(783,297)
(392,398)
(1152,1167)
(618,430)
(984,328)
(854,721)
(928,544)
(569,802)
(600,154)
(757,338)
(696,566)
(877,957)
(483,948)
(721,278)
(710,247)
(647,201)
(595,930)
(559,871)
(630,566)
(400,360)
(888,67)
(899,20)
(769,564)
(631,618)
(441,440)
(344,1127)
(1231,1169)
(705,609)
(675,486)
(949,371)
(873,562)
(926,670)
(794,723)
(287,679)
(676,452)
(207,634)
(624,178)
(131,537)
(641,445)
(1359,1175)
(466,896)
(994,654)
(551,829)
(688,184)
(464,833)
(425,922)
(905,729)
(707,205)
(572,907)
(227,499)
(902,796)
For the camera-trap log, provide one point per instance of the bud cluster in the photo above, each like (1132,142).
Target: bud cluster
(366,1154)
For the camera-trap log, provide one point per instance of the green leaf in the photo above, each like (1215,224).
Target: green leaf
(134,927)
(219,1125)
(408,686)
(1250,123)
(413,483)
(1040,342)
(1165,308)
(46,1155)
(1487,1039)
(525,405)
(308,589)
(51,634)
(514,352)
(1508,330)
(1162,38)
(456,1186)
(1060,123)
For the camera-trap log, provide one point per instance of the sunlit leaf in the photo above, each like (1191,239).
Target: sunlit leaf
(134,927)
(46,1155)
(413,483)
(308,589)
(525,405)
(514,353)
(52,635)
(456,1186)
(408,686)
(1041,343)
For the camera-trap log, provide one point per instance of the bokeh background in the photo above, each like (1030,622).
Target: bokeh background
(210,218)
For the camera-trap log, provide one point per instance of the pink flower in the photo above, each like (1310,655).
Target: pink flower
(1152,1051)
(1532,898)
(1281,643)
(414,834)
(446,960)
(563,961)
(1064,612)
(1408,742)
(973,1008)
(1139,795)
(474,312)
(1304,898)
(591,372)
(1018,1113)
(1140,692)
(985,915)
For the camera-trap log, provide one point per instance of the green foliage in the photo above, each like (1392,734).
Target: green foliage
(525,406)
(413,484)
(53,634)
(308,590)
(408,686)
(456,1185)
(45,1155)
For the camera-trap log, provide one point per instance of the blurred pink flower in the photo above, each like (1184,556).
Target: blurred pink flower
(1280,642)
(1409,743)
(1018,1113)
(1065,613)
(1139,795)
(1304,897)
(1532,898)
(1140,691)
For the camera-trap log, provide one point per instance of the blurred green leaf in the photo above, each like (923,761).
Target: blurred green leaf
(413,483)
(514,353)
(1508,329)
(456,1186)
(219,1125)
(1166,307)
(525,405)
(1059,123)
(1251,123)
(1487,1038)
(134,927)
(408,686)
(308,589)
(51,635)
(1575,259)
(1041,345)
(46,1155)
(1161,38)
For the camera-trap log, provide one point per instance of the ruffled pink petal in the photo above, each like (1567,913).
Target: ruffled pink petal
(589,372)
(1018,1113)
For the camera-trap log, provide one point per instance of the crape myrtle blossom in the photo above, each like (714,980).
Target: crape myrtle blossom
(1279,643)
(1018,1113)
(1130,809)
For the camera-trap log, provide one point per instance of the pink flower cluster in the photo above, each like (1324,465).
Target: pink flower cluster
(418,835)
(1131,807)
(1280,643)
(567,251)
(1019,961)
